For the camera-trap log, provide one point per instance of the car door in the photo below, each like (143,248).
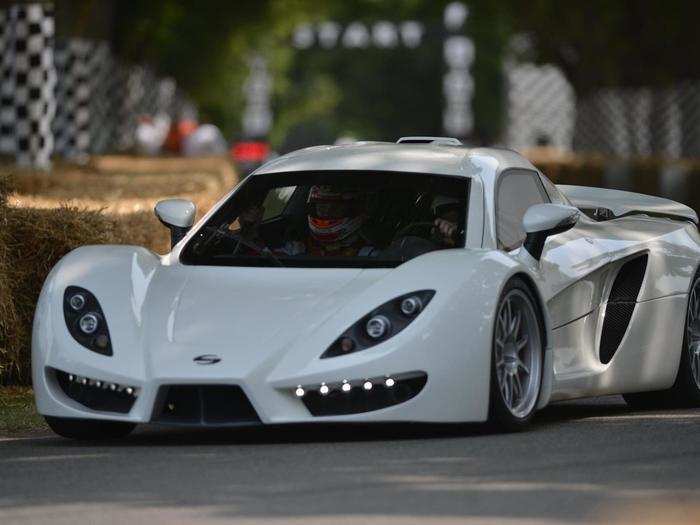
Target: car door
(567,258)
(574,266)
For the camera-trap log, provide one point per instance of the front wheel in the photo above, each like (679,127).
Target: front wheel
(89,429)
(517,355)
(685,392)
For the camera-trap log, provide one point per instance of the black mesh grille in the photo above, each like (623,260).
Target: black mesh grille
(94,397)
(620,307)
(215,405)
(629,280)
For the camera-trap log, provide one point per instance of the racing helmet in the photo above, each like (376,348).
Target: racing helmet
(334,214)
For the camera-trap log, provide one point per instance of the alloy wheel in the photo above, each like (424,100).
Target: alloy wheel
(693,332)
(518,353)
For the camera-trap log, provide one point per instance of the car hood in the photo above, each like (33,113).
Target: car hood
(252,306)
(244,315)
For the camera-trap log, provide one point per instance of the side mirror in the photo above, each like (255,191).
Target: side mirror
(542,220)
(177,215)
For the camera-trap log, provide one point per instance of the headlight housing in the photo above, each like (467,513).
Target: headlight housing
(85,320)
(380,324)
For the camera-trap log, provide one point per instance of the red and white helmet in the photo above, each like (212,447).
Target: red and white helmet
(334,214)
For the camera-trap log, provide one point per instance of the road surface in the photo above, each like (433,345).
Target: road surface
(590,461)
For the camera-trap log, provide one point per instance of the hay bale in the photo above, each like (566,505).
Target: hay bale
(5,187)
(7,313)
(141,229)
(33,242)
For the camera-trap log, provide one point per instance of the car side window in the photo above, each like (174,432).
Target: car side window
(552,191)
(517,191)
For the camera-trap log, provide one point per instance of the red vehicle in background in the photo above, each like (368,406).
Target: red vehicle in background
(249,155)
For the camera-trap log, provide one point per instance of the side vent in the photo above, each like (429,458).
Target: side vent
(620,307)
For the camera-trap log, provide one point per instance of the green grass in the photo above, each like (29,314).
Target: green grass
(17,412)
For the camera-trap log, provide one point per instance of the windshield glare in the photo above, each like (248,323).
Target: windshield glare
(333,219)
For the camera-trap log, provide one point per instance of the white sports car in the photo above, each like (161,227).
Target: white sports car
(375,282)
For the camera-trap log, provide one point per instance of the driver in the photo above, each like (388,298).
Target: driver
(335,217)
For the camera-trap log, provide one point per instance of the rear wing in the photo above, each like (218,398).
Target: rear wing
(620,203)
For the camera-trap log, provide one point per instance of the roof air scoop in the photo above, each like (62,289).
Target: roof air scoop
(437,141)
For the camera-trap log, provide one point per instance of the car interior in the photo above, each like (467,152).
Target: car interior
(399,214)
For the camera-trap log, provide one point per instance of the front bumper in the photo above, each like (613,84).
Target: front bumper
(228,405)
(216,405)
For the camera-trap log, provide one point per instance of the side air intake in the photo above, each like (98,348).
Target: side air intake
(620,306)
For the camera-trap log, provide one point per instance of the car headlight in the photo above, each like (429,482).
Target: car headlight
(380,324)
(85,320)
(89,323)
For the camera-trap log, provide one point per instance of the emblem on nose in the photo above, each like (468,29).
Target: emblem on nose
(207,359)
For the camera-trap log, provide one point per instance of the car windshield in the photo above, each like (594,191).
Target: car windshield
(333,219)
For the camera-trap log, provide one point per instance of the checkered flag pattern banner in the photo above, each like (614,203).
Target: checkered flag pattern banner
(73,94)
(140,97)
(87,94)
(7,112)
(103,107)
(541,107)
(640,121)
(69,98)
(28,83)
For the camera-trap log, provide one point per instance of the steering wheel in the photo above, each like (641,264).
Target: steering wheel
(245,242)
(422,229)
(224,232)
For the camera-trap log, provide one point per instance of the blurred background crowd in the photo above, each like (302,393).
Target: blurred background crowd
(249,78)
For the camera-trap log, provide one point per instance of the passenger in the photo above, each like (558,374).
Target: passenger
(249,221)
(446,211)
(251,242)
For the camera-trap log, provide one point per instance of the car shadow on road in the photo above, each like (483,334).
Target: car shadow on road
(150,435)
(564,411)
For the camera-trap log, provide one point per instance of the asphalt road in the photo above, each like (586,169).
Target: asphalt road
(594,461)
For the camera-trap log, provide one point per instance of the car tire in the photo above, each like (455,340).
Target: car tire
(89,429)
(517,358)
(685,391)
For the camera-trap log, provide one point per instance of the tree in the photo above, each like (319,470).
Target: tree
(623,43)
